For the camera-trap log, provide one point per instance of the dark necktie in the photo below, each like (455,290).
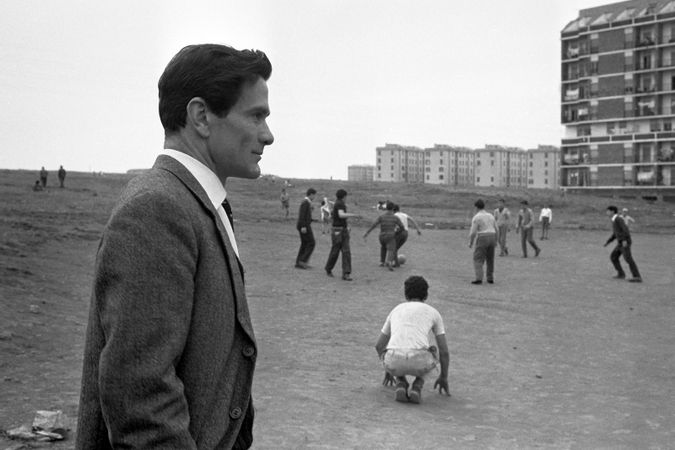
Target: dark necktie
(228,211)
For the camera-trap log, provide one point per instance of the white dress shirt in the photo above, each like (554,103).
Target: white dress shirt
(210,183)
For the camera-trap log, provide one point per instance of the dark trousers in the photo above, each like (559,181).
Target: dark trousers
(340,244)
(525,237)
(387,248)
(307,244)
(625,251)
(545,225)
(401,237)
(484,253)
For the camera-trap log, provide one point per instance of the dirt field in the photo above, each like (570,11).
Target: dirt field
(556,354)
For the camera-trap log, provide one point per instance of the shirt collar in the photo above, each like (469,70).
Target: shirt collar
(614,217)
(205,176)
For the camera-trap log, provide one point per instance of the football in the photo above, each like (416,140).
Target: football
(401,259)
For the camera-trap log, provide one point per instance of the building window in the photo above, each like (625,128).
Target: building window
(379,175)
(440,169)
(392,159)
(545,172)
(478,163)
(440,177)
(492,179)
(531,164)
(545,163)
(546,181)
(531,156)
(492,163)
(477,179)
(441,162)
(545,154)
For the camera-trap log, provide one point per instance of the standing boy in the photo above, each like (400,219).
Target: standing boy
(340,237)
(526,228)
(484,232)
(304,227)
(503,218)
(621,234)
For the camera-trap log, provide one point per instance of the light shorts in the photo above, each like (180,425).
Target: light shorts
(417,362)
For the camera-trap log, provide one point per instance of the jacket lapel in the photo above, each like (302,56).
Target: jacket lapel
(235,268)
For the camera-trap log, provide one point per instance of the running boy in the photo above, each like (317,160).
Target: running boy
(404,344)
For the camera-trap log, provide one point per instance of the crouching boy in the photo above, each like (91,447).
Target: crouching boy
(404,344)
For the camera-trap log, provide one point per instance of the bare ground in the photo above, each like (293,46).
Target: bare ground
(556,354)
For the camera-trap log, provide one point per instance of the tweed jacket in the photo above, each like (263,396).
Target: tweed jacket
(170,350)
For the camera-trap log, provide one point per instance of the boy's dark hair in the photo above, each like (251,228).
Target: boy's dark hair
(480,204)
(396,208)
(613,208)
(311,191)
(390,205)
(213,72)
(416,288)
(341,193)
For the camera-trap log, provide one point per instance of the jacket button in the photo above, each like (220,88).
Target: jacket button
(235,413)
(248,351)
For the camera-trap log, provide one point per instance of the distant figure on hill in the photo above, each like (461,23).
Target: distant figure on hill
(43,177)
(402,234)
(546,218)
(503,217)
(37,186)
(405,347)
(526,228)
(621,234)
(484,233)
(62,176)
(626,218)
(284,197)
(304,227)
(389,225)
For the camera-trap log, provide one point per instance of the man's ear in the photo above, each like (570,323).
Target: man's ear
(196,116)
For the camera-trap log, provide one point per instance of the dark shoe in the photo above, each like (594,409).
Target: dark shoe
(347,277)
(524,256)
(300,266)
(381,264)
(635,280)
(329,273)
(401,393)
(502,254)
(536,252)
(491,281)
(477,282)
(619,277)
(506,250)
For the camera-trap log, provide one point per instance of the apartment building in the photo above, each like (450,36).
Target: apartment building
(618,97)
(399,163)
(543,167)
(445,164)
(362,172)
(501,166)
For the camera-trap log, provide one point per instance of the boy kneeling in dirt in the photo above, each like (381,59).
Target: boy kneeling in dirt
(404,343)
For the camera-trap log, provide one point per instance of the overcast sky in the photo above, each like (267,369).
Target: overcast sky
(78,79)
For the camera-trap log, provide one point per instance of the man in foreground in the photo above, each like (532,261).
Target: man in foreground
(170,350)
(404,344)
(621,234)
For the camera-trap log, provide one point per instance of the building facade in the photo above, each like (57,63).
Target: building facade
(445,164)
(501,166)
(543,167)
(362,172)
(399,163)
(618,97)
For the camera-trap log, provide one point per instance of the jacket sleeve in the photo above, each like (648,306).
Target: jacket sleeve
(144,286)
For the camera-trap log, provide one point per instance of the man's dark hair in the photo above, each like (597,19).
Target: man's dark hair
(390,206)
(480,204)
(396,208)
(340,194)
(216,73)
(311,191)
(613,208)
(416,288)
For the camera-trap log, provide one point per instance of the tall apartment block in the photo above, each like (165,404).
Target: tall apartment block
(618,97)
(445,164)
(400,163)
(362,172)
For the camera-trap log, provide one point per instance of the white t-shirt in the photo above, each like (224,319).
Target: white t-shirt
(412,325)
(404,219)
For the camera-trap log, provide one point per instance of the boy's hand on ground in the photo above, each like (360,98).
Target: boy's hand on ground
(442,384)
(388,380)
